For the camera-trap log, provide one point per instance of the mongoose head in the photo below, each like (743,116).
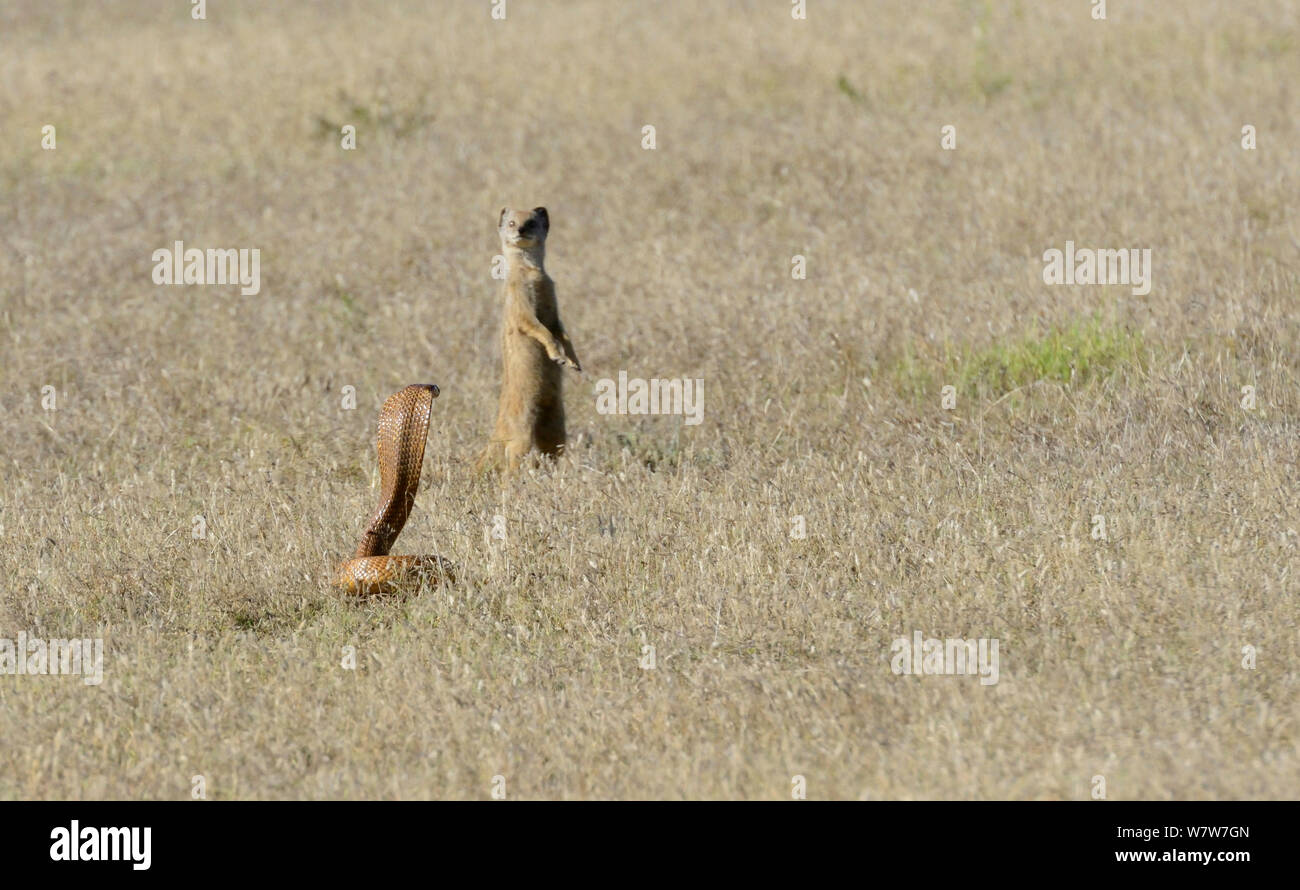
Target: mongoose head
(523,229)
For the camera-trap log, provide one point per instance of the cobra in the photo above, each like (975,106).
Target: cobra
(403,428)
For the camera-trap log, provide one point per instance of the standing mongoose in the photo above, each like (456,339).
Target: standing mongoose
(534,348)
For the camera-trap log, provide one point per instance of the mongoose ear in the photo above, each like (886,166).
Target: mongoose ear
(502,218)
(540,213)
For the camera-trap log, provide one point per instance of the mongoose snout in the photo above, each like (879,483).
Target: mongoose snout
(523,229)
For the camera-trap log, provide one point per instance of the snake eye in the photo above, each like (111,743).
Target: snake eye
(512,223)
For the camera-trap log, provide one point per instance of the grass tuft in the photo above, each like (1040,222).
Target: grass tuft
(1076,354)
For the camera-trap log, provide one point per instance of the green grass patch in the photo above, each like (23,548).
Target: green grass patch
(848,89)
(1085,350)
(988,78)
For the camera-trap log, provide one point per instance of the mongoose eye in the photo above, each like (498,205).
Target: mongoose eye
(512,223)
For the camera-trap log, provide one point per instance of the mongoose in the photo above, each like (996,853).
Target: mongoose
(534,348)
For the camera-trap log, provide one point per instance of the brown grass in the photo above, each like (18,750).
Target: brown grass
(1119,658)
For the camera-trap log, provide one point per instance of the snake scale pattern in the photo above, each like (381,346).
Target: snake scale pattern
(403,428)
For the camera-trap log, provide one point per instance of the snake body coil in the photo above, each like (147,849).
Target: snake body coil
(403,428)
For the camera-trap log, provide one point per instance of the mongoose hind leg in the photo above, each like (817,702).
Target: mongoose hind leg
(549,433)
(516,451)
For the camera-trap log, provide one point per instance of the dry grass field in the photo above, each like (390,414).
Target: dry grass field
(1121,654)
